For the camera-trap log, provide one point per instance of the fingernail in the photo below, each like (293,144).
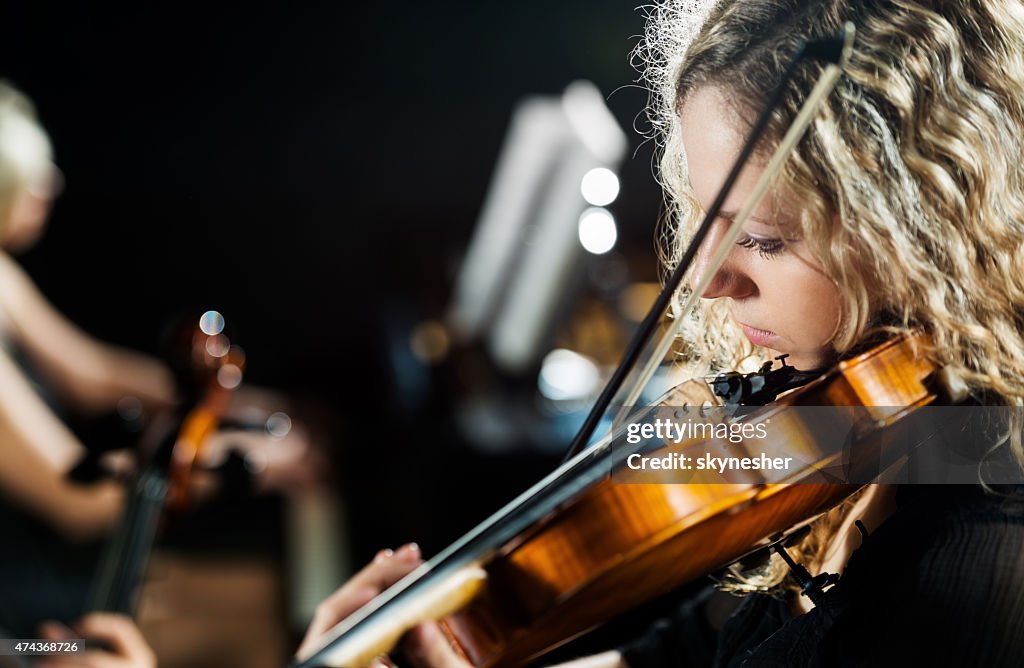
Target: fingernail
(409,550)
(382,555)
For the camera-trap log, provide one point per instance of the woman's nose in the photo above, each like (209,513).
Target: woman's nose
(730,280)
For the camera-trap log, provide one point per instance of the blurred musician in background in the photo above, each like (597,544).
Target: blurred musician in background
(88,375)
(37,451)
(52,522)
(42,507)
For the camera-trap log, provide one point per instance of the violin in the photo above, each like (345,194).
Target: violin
(576,569)
(209,368)
(591,548)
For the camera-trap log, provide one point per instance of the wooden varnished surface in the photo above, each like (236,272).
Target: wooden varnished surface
(618,545)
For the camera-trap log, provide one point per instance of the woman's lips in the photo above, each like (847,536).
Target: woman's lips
(760,337)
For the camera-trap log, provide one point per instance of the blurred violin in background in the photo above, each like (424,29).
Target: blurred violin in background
(209,368)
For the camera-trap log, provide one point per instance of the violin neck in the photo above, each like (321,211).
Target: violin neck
(120,573)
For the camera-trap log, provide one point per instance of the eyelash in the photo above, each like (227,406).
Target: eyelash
(766,248)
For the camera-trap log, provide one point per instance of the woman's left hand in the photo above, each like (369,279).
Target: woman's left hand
(128,648)
(425,645)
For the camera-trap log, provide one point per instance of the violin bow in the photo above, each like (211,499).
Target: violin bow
(452,573)
(835,51)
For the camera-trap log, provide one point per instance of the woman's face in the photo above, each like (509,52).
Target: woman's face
(27,219)
(780,297)
(30,209)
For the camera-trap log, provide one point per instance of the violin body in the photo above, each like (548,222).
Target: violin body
(617,548)
(619,545)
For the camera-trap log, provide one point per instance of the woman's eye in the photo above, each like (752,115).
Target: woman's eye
(766,248)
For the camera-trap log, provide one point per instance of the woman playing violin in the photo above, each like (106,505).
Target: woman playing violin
(902,207)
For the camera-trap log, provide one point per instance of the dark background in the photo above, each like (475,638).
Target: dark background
(313,170)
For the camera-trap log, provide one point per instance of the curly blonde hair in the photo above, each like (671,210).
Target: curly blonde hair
(910,177)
